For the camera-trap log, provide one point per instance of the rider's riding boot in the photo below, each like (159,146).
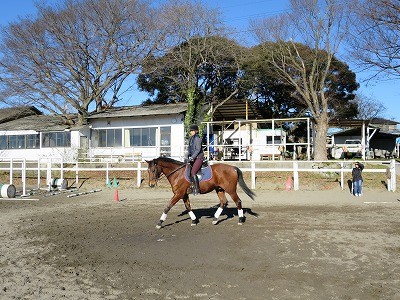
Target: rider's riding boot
(196,189)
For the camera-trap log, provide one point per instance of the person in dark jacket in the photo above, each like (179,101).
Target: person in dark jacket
(195,156)
(357,179)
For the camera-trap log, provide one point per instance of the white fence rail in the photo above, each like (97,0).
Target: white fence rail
(50,166)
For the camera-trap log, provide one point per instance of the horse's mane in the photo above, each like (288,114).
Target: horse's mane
(170,160)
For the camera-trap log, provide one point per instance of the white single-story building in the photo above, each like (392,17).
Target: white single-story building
(138,132)
(26,133)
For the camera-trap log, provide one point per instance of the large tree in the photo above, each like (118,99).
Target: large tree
(201,70)
(278,98)
(76,54)
(321,27)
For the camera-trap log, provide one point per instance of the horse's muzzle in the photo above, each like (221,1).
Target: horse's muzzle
(152,185)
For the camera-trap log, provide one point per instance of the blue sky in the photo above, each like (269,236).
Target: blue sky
(237,13)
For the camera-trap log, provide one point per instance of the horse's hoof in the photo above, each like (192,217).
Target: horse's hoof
(215,221)
(241,221)
(159,225)
(194,222)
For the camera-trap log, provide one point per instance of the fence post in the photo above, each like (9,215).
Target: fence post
(11,170)
(107,178)
(62,170)
(341,176)
(295,176)
(38,174)
(24,177)
(77,173)
(253,175)
(48,174)
(139,174)
(393,175)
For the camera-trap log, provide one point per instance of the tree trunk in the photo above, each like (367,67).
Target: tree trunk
(321,130)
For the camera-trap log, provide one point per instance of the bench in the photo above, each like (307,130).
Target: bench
(135,156)
(269,156)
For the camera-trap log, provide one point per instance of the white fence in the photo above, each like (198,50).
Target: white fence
(50,166)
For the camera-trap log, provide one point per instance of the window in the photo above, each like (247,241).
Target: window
(165,135)
(140,137)
(28,141)
(277,140)
(56,139)
(3,142)
(110,137)
(12,142)
(32,141)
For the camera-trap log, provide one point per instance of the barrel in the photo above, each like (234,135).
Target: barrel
(58,183)
(7,190)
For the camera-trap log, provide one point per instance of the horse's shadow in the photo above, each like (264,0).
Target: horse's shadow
(208,213)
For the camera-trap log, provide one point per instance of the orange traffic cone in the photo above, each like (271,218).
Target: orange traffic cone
(116,196)
(289,183)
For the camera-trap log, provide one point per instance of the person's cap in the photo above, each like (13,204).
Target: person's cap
(194,127)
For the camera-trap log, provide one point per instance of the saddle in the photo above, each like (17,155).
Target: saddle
(204,174)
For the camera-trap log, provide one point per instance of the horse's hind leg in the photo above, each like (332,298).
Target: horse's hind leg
(189,209)
(223,202)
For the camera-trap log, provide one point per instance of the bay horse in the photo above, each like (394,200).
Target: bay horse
(224,179)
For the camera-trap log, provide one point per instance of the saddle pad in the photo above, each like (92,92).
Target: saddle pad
(204,174)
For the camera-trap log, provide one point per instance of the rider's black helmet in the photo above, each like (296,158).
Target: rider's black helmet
(194,127)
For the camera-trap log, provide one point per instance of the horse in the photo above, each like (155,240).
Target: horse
(224,178)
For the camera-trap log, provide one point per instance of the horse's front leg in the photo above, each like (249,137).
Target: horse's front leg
(171,203)
(189,209)
(223,202)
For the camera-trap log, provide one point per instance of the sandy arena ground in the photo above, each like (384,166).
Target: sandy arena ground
(294,245)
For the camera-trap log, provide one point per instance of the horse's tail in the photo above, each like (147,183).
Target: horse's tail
(243,184)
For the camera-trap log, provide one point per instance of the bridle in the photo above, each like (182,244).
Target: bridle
(157,176)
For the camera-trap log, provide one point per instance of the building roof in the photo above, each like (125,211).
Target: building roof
(38,123)
(357,131)
(12,113)
(140,111)
(229,111)
(358,122)
(236,109)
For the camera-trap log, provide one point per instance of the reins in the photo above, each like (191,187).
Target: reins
(163,174)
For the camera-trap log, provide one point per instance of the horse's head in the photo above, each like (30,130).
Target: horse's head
(154,172)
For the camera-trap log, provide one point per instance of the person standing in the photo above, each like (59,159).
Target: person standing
(195,156)
(357,179)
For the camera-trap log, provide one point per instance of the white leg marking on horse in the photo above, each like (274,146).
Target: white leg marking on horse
(192,215)
(163,217)
(218,212)
(240,213)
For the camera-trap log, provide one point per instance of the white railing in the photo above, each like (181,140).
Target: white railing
(50,166)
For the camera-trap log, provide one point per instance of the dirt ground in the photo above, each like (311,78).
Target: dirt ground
(323,244)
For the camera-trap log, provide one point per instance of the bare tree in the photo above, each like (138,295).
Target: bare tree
(199,59)
(368,108)
(321,26)
(376,36)
(76,55)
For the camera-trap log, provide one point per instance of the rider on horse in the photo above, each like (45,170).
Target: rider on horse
(195,156)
